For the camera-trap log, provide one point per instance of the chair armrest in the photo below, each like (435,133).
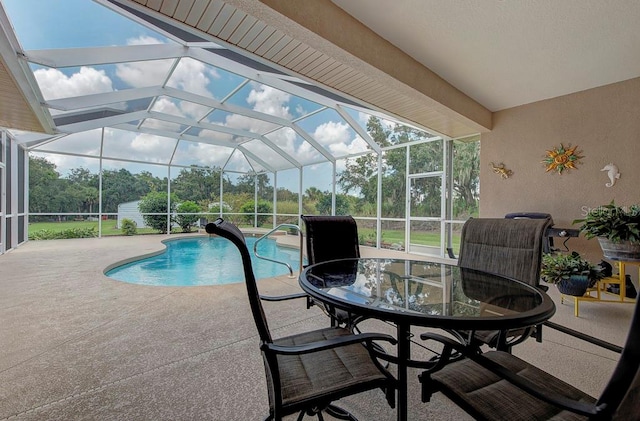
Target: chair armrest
(587,338)
(582,408)
(283,297)
(446,341)
(328,344)
(578,407)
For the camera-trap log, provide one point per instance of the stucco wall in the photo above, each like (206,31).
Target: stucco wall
(603,122)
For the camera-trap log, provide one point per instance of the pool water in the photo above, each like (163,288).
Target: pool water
(205,261)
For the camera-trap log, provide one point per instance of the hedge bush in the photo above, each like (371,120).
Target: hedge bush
(129,227)
(64,234)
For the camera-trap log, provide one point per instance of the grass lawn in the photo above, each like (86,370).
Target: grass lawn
(109,228)
(420,238)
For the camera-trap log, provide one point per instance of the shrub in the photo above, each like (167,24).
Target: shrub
(342,205)
(129,227)
(186,221)
(156,203)
(47,234)
(613,222)
(249,208)
(556,267)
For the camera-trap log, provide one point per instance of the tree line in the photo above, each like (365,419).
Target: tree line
(78,192)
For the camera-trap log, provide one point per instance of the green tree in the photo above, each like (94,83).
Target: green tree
(187,221)
(44,185)
(83,177)
(120,186)
(154,183)
(247,184)
(466,177)
(83,189)
(314,194)
(286,195)
(199,184)
(342,205)
(250,207)
(156,203)
(80,198)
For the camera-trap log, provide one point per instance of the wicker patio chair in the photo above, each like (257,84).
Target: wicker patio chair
(306,372)
(508,247)
(499,386)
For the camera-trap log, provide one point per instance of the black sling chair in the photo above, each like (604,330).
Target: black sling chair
(308,371)
(507,247)
(330,238)
(497,385)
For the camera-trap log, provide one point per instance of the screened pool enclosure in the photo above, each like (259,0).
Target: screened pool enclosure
(163,126)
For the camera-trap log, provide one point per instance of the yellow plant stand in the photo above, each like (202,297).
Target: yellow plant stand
(599,291)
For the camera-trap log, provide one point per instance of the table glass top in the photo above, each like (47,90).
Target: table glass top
(418,287)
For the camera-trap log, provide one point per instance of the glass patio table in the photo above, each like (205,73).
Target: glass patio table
(421,293)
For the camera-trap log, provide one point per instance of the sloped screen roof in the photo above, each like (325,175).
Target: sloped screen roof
(168,96)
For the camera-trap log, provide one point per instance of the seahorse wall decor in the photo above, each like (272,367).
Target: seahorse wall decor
(612,173)
(502,170)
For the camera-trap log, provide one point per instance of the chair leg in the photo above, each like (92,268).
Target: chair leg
(334,411)
(339,413)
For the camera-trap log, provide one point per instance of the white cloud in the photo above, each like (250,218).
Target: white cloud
(139,146)
(167,106)
(65,163)
(55,84)
(144,40)
(270,101)
(331,132)
(154,148)
(336,137)
(250,124)
(201,154)
(220,136)
(300,111)
(143,73)
(139,74)
(193,76)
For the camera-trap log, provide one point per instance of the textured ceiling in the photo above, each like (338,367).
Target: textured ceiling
(508,53)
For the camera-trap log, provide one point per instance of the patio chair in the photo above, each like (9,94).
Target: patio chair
(331,238)
(507,247)
(547,243)
(499,386)
(306,372)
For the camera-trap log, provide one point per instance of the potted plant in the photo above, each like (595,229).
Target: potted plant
(617,229)
(570,272)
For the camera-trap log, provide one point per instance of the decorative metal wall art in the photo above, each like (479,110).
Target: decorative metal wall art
(502,170)
(612,173)
(562,159)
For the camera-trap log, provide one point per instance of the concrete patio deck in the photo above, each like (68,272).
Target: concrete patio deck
(77,345)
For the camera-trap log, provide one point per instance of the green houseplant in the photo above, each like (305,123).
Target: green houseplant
(617,229)
(570,272)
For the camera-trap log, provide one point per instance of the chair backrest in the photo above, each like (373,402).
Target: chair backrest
(547,243)
(231,232)
(508,247)
(622,392)
(330,238)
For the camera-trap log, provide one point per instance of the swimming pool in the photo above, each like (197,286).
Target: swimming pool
(205,261)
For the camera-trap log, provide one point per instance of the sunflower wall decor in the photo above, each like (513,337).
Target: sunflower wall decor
(562,159)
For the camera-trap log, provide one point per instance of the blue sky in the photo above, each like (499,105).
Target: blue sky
(75,23)
(52,24)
